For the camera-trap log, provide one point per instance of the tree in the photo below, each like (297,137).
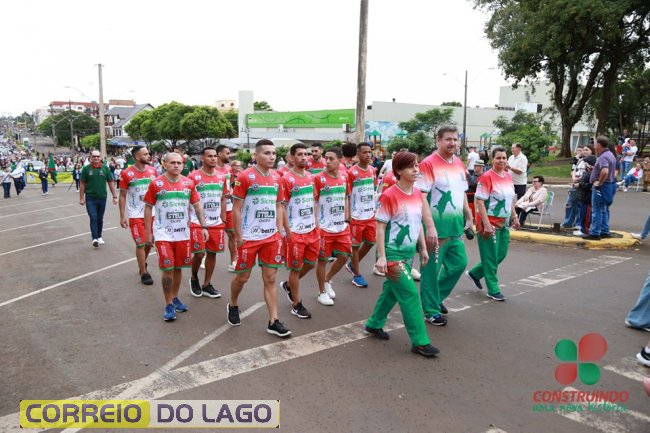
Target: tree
(204,122)
(576,45)
(82,126)
(428,122)
(261,106)
(232,116)
(167,121)
(141,127)
(452,104)
(90,142)
(419,143)
(534,134)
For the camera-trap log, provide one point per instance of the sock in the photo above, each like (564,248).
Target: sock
(647,350)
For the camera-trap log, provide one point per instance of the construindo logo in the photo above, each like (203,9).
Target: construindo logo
(579,360)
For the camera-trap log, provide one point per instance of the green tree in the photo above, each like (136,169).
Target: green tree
(262,106)
(452,104)
(575,45)
(141,127)
(232,116)
(204,122)
(244,156)
(534,134)
(167,121)
(90,142)
(82,125)
(419,143)
(428,122)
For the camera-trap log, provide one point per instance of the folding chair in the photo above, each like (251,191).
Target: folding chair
(546,210)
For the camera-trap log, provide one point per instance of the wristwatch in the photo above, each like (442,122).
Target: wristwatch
(204,227)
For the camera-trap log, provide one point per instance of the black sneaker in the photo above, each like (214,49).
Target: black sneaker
(593,238)
(300,311)
(443,309)
(427,350)
(277,328)
(476,281)
(211,292)
(605,235)
(146,279)
(497,297)
(287,290)
(378,332)
(195,288)
(233,315)
(436,320)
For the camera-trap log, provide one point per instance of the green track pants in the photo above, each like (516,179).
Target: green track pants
(439,279)
(492,251)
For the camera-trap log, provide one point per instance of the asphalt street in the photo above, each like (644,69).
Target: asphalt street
(76,322)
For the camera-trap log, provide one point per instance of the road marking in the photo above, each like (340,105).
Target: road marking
(629,367)
(32,211)
(51,242)
(571,271)
(610,422)
(30,202)
(44,222)
(496,430)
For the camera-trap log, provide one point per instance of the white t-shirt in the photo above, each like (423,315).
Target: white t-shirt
(630,158)
(520,163)
(472,157)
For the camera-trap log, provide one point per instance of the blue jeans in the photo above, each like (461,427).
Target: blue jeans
(639,316)
(572,209)
(7,189)
(629,179)
(602,198)
(646,228)
(44,185)
(625,167)
(95,208)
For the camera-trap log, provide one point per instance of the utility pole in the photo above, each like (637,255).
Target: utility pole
(464,143)
(361,73)
(102,128)
(53,126)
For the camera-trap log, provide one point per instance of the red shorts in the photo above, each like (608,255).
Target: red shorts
(302,248)
(214,244)
(229,226)
(334,243)
(268,252)
(173,255)
(137,231)
(363,231)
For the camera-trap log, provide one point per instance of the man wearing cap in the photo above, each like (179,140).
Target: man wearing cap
(472,182)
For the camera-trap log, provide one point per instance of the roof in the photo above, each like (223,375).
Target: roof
(132,111)
(85,104)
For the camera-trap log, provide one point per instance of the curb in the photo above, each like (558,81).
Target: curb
(626,241)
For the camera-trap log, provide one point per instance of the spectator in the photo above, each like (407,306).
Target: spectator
(533,200)
(646,173)
(517,166)
(76,175)
(603,189)
(42,175)
(6,182)
(472,157)
(634,175)
(627,158)
(584,195)
(472,181)
(572,207)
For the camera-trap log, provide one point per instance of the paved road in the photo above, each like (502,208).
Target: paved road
(86,327)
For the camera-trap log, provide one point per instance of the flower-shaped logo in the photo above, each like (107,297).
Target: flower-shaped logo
(579,361)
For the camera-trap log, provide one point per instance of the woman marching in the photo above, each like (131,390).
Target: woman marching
(495,207)
(399,221)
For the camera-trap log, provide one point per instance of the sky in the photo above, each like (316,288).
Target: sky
(295,54)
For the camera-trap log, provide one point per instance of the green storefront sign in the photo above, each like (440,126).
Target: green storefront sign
(302,119)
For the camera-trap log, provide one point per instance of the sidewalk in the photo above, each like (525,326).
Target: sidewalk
(567,239)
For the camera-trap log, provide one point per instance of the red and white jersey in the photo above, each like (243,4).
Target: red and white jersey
(388,180)
(171,200)
(136,183)
(210,188)
(283,170)
(315,167)
(331,193)
(362,198)
(498,192)
(260,194)
(298,194)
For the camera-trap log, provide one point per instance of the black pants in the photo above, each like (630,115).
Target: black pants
(522,214)
(520,190)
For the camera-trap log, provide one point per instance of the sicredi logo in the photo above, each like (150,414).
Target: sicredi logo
(579,360)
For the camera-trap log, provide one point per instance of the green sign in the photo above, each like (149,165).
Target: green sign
(302,119)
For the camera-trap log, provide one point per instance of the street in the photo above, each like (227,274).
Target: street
(77,323)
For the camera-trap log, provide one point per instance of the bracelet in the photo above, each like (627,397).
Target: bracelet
(204,227)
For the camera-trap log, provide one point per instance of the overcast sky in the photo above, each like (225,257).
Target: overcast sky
(295,54)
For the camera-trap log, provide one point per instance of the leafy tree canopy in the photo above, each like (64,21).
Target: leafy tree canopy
(534,134)
(452,104)
(262,106)
(82,126)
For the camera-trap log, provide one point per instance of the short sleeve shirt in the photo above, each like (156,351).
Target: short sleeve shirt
(331,193)
(445,184)
(498,193)
(210,189)
(520,163)
(96,179)
(362,199)
(472,157)
(402,214)
(298,194)
(315,167)
(260,194)
(388,181)
(171,201)
(605,160)
(136,183)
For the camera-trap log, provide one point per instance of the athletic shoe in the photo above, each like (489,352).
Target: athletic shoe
(378,332)
(627,323)
(443,309)
(594,237)
(277,328)
(427,350)
(638,236)
(436,320)
(300,311)
(146,279)
(377,271)
(233,315)
(101,241)
(331,258)
(579,233)
(497,296)
(624,189)
(287,290)
(180,307)
(605,235)
(329,290)
(195,288)
(643,357)
(476,281)
(348,267)
(211,292)
(415,274)
(170,313)
(359,281)
(325,299)
(95,243)
(231,266)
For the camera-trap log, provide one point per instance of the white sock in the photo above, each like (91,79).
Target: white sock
(647,350)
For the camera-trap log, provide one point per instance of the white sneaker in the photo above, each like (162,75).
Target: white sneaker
(579,233)
(231,267)
(637,236)
(100,241)
(415,274)
(624,189)
(324,299)
(329,290)
(95,243)
(377,272)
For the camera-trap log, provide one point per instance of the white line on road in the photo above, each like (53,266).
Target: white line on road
(44,222)
(36,210)
(628,367)
(51,242)
(29,202)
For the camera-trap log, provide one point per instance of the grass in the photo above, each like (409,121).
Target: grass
(563,170)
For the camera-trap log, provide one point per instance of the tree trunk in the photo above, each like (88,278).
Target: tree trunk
(360,126)
(567,127)
(602,113)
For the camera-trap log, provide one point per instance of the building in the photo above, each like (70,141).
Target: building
(89,108)
(226,104)
(116,118)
